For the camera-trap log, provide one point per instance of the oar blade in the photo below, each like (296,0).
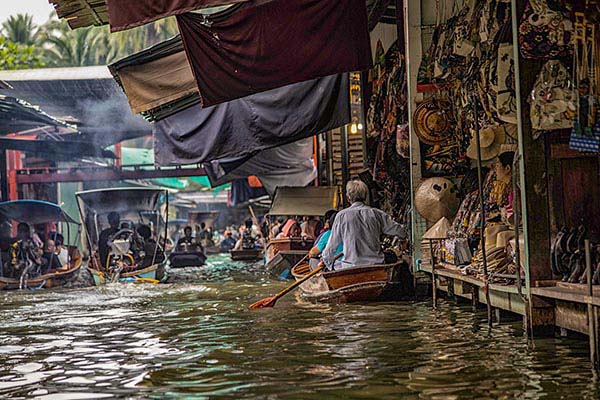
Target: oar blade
(264,303)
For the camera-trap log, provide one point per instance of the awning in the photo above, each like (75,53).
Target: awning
(56,150)
(34,212)
(155,77)
(312,201)
(245,126)
(18,115)
(132,199)
(262,45)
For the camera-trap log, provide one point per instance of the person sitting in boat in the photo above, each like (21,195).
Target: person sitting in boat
(152,251)
(310,227)
(187,240)
(291,229)
(248,240)
(204,236)
(61,252)
(359,229)
(49,258)
(323,239)
(229,242)
(114,219)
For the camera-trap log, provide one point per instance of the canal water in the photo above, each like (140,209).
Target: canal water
(196,339)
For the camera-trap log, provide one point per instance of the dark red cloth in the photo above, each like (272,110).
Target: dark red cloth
(262,45)
(126,14)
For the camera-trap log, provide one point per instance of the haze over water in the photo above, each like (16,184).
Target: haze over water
(196,339)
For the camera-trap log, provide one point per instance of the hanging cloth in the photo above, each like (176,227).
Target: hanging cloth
(126,14)
(264,45)
(245,126)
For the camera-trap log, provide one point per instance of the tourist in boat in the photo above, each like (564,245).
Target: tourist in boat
(39,234)
(61,252)
(114,219)
(323,239)
(310,227)
(204,236)
(49,258)
(291,229)
(153,253)
(187,238)
(359,228)
(276,228)
(228,243)
(248,240)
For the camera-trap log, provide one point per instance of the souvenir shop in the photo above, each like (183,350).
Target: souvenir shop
(504,154)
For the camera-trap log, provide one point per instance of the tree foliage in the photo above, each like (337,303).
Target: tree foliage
(54,44)
(18,56)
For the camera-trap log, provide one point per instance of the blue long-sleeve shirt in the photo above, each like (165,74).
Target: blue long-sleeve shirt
(359,229)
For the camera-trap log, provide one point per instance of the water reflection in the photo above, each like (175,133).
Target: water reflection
(196,339)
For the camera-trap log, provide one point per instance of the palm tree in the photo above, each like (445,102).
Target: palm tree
(20,29)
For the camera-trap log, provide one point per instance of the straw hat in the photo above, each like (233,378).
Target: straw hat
(432,121)
(491,235)
(436,198)
(439,230)
(504,238)
(505,148)
(490,138)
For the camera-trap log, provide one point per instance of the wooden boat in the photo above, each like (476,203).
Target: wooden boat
(187,256)
(246,255)
(358,284)
(54,279)
(213,250)
(283,254)
(41,212)
(131,257)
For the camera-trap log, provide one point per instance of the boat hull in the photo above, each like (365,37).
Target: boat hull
(186,259)
(149,274)
(280,266)
(359,284)
(46,281)
(246,255)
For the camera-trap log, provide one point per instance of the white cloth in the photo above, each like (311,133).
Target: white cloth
(63,256)
(359,229)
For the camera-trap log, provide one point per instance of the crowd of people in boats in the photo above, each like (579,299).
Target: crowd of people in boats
(34,252)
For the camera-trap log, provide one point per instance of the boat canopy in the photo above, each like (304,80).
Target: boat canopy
(34,212)
(312,201)
(104,201)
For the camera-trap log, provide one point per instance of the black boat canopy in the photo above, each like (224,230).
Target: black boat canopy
(103,201)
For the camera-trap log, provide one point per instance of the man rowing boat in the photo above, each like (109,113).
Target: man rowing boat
(359,228)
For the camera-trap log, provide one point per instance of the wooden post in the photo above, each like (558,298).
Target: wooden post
(591,314)
(345,162)
(4,190)
(433,281)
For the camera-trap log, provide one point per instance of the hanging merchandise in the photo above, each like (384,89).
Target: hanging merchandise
(544,34)
(403,140)
(433,122)
(491,140)
(553,99)
(436,198)
(506,101)
(585,135)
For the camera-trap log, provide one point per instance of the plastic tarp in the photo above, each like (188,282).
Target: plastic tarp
(261,45)
(288,165)
(315,201)
(246,126)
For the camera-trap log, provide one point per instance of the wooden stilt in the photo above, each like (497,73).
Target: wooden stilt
(591,312)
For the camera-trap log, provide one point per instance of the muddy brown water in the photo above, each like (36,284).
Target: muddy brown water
(196,339)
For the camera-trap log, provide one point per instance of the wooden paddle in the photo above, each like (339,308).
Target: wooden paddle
(270,301)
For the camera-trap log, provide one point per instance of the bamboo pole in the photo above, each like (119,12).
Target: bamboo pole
(482,218)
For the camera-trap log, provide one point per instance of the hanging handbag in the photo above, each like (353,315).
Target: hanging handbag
(506,100)
(553,99)
(544,34)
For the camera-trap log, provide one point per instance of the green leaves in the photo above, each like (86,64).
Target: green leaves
(18,56)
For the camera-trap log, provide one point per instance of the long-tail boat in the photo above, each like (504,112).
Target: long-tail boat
(246,254)
(130,257)
(22,263)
